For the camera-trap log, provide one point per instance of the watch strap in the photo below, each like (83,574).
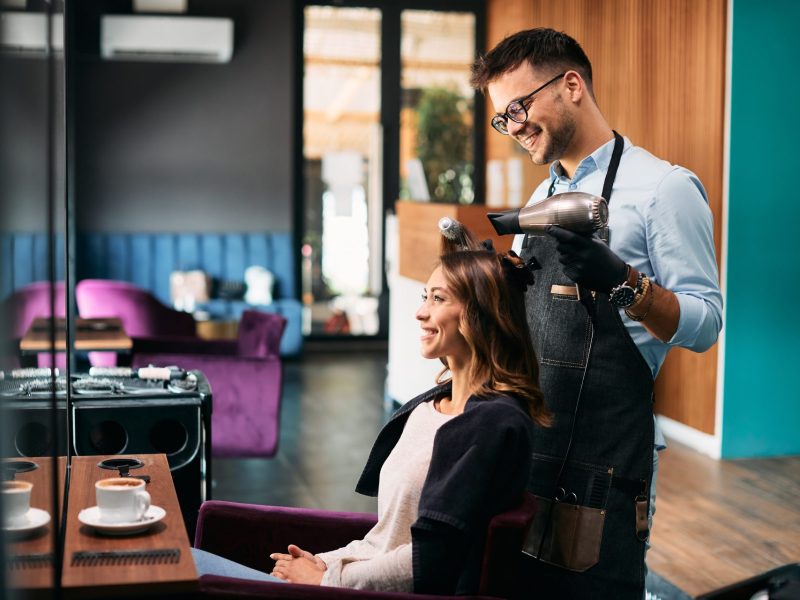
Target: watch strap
(629,287)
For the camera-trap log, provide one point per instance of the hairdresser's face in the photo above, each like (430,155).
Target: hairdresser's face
(550,127)
(439,317)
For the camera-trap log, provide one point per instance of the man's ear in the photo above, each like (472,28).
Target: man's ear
(576,87)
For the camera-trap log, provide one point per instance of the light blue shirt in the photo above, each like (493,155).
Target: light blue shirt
(660,224)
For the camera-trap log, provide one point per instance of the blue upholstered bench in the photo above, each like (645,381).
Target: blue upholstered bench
(147,259)
(23,260)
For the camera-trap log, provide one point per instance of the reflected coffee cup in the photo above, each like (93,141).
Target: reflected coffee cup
(121,499)
(16,502)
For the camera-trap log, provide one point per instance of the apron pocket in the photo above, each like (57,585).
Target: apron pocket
(572,535)
(572,526)
(565,334)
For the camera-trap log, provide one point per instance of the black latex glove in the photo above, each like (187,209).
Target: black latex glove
(588,261)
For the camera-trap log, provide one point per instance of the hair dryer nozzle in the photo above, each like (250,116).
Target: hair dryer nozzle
(505,222)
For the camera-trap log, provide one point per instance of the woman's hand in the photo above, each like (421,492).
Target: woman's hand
(298,566)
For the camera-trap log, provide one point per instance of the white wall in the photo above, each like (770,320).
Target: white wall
(408,374)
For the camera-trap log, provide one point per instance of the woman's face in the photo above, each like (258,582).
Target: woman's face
(439,317)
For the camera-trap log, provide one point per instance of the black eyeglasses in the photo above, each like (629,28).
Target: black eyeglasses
(516,110)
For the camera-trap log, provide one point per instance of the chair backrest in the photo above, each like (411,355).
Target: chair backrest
(141,313)
(31,301)
(500,571)
(260,334)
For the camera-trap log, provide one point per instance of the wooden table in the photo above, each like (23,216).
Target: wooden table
(126,580)
(215,329)
(90,334)
(32,569)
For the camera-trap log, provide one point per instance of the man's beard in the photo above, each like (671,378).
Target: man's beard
(559,138)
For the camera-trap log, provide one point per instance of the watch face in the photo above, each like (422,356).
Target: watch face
(622,296)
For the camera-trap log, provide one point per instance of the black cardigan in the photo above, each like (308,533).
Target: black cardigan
(479,468)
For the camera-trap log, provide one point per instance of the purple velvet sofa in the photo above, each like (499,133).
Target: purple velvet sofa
(248,533)
(246,379)
(141,313)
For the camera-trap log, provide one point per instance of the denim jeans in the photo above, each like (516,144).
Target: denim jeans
(211,564)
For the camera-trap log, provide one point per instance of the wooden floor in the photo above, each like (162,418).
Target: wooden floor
(331,412)
(717,522)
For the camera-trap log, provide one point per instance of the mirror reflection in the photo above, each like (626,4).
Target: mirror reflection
(33,438)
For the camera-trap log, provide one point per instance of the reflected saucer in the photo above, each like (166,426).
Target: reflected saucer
(91,517)
(34,519)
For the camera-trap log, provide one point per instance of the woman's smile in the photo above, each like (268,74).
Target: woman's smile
(440,318)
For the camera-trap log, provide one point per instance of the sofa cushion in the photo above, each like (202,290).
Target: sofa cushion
(260,334)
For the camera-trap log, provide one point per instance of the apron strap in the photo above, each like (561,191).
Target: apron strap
(611,174)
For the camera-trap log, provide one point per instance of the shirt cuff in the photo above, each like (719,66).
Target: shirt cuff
(333,574)
(695,328)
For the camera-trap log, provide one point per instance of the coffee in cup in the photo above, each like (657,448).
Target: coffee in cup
(16,502)
(121,499)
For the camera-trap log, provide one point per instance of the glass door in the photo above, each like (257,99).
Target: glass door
(387,113)
(342,164)
(437,106)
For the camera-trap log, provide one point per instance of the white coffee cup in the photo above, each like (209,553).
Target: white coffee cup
(121,499)
(16,502)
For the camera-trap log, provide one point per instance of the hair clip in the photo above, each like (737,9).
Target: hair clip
(517,271)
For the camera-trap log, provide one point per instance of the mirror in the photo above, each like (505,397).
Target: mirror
(32,300)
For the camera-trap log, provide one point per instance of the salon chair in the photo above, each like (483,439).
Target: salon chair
(246,377)
(781,583)
(248,533)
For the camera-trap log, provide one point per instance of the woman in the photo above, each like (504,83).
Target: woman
(455,456)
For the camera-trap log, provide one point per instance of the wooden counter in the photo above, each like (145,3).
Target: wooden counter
(138,580)
(31,555)
(419,237)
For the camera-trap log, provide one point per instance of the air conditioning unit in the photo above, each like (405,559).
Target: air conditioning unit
(26,32)
(159,38)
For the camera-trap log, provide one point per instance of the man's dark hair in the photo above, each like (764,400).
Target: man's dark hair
(545,49)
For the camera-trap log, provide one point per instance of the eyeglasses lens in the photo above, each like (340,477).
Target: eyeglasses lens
(516,112)
(500,125)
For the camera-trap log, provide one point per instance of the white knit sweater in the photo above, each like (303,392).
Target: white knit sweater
(382,560)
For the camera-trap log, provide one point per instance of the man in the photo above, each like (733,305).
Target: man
(651,283)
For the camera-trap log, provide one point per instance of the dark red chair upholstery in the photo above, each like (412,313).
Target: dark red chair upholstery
(248,533)
(246,378)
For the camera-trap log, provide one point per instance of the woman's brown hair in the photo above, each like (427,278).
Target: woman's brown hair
(491,287)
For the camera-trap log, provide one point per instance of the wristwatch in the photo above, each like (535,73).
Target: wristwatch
(624,294)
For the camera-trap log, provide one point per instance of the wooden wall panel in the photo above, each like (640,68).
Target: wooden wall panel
(659,78)
(419,235)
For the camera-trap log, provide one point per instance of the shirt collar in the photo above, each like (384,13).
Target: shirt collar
(599,160)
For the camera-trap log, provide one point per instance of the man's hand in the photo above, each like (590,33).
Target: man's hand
(588,261)
(298,566)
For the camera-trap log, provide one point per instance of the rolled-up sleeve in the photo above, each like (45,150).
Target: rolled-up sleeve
(680,240)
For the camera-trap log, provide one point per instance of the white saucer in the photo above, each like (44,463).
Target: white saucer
(34,519)
(91,517)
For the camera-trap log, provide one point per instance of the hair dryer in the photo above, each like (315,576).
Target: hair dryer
(577,211)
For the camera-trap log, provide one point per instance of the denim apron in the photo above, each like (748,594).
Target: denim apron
(592,469)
